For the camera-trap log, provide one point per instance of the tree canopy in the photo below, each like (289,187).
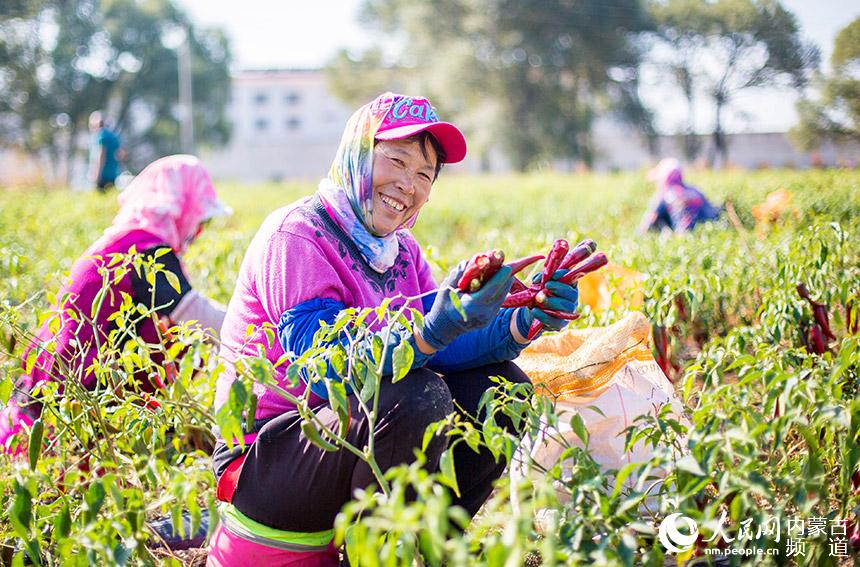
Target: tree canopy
(59,61)
(719,48)
(528,77)
(836,115)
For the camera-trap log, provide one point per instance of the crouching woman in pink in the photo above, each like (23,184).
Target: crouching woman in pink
(349,245)
(165,207)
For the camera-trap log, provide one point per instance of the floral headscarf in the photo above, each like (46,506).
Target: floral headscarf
(169,199)
(347,192)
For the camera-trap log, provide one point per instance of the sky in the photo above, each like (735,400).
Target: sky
(302,34)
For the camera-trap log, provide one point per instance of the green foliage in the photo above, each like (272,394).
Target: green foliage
(107,461)
(836,115)
(62,60)
(530,76)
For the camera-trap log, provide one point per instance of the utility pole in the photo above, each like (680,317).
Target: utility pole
(186,114)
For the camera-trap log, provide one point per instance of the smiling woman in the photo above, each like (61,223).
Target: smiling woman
(404,171)
(349,246)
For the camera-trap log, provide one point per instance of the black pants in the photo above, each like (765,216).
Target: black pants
(289,484)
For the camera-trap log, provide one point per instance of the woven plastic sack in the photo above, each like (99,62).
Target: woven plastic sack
(609,368)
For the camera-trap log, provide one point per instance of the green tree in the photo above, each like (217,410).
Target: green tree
(59,61)
(526,76)
(836,116)
(719,48)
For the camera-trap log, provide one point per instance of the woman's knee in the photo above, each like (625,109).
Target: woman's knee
(417,400)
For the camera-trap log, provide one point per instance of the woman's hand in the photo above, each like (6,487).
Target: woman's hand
(444,322)
(564,297)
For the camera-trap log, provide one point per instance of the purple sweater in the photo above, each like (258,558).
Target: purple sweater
(298,254)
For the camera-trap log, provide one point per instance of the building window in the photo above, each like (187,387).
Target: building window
(261,124)
(261,98)
(293,123)
(292,98)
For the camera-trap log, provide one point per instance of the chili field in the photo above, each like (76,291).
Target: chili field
(769,438)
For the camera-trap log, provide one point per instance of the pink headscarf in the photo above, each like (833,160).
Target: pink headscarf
(667,173)
(170,198)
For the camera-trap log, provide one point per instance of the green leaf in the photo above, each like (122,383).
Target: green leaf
(93,500)
(62,523)
(314,437)
(251,412)
(371,384)
(173,280)
(6,386)
(577,424)
(688,464)
(402,360)
(22,511)
(34,448)
(446,471)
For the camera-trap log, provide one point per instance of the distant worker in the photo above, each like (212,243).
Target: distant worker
(675,206)
(161,213)
(105,153)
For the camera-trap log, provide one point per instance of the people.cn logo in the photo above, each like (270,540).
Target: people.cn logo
(672,539)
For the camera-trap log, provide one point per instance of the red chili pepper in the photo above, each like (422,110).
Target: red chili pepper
(520,299)
(518,266)
(819,311)
(556,254)
(479,269)
(578,253)
(473,268)
(661,345)
(561,314)
(803,292)
(517,286)
(534,329)
(156,380)
(854,536)
(591,264)
(151,403)
(816,339)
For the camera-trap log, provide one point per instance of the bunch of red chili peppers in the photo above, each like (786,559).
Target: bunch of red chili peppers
(819,332)
(579,260)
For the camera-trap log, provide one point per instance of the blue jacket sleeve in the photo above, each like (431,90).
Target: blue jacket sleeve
(490,344)
(299,324)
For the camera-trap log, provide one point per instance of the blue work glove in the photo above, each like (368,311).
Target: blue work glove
(565,297)
(444,323)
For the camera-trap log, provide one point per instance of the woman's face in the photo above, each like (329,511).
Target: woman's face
(402,178)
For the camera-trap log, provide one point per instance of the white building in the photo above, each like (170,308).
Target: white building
(286,125)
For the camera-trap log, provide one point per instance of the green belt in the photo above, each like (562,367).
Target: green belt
(246,528)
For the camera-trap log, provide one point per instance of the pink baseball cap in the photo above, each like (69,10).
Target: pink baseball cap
(408,115)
